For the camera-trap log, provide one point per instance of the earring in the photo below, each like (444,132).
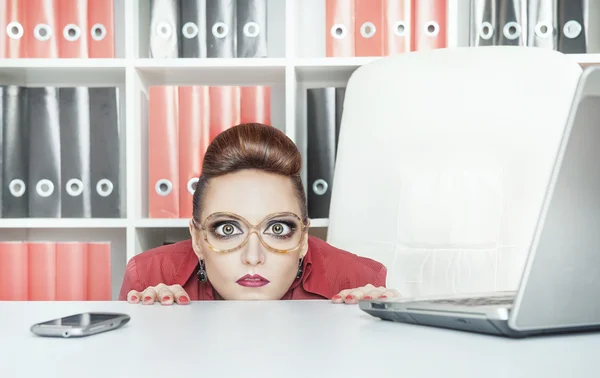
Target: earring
(299,268)
(202,277)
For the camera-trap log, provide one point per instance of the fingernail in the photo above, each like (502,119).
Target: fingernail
(368,297)
(147,299)
(350,297)
(166,298)
(183,299)
(383,296)
(134,298)
(336,297)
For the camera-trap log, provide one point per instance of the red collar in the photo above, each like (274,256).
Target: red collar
(313,278)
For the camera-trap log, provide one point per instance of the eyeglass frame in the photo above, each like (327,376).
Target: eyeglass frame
(253,229)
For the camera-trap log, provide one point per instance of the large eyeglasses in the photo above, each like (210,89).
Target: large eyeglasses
(227,232)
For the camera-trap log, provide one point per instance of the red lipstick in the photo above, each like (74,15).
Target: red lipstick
(252,280)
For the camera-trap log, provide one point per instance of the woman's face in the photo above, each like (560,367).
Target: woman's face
(252,195)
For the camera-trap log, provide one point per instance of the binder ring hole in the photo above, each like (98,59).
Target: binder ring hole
(17,187)
(338,31)
(163,187)
(220,30)
(104,187)
(251,29)
(42,32)
(71,32)
(486,30)
(98,32)
(14,30)
(400,28)
(367,30)
(44,188)
(191,185)
(164,30)
(512,30)
(74,187)
(543,30)
(190,30)
(319,187)
(432,29)
(572,29)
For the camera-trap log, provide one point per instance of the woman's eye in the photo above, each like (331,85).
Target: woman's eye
(278,229)
(226,229)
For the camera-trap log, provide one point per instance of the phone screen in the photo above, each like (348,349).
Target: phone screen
(81,320)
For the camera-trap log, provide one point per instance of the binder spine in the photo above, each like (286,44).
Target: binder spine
(573,21)
(75,152)
(321,130)
(164,29)
(252,29)
(483,22)
(542,24)
(192,32)
(221,29)
(101,26)
(339,28)
(13,23)
(44,153)
(397,29)
(105,152)
(368,28)
(15,153)
(224,108)
(511,23)
(42,33)
(72,28)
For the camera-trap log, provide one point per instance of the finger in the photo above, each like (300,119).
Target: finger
(165,295)
(373,294)
(181,297)
(390,293)
(133,296)
(149,295)
(339,298)
(354,296)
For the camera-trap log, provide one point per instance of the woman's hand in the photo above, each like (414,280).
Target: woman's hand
(161,293)
(352,296)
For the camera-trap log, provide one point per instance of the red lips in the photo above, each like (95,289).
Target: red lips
(254,280)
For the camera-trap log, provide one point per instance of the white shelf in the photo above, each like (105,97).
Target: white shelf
(296,61)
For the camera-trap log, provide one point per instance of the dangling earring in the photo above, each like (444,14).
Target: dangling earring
(299,268)
(202,277)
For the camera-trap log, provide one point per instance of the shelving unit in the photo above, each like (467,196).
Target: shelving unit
(296,61)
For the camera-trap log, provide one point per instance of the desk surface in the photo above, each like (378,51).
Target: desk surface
(275,339)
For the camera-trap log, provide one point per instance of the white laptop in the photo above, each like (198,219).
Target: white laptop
(560,287)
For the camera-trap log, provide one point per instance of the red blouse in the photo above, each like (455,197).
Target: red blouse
(327,271)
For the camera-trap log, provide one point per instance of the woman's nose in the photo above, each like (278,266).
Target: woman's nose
(254,252)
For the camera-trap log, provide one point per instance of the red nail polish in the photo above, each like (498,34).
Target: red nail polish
(134,298)
(349,296)
(183,299)
(148,298)
(336,297)
(383,296)
(166,299)
(368,297)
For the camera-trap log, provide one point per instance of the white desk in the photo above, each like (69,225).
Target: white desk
(278,339)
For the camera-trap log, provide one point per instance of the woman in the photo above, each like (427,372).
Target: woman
(249,235)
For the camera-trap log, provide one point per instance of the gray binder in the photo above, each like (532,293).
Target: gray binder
(252,29)
(483,22)
(221,28)
(14,143)
(164,29)
(44,153)
(193,28)
(105,153)
(573,21)
(75,153)
(542,24)
(510,23)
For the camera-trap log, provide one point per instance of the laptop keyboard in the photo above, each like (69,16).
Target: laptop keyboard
(480,301)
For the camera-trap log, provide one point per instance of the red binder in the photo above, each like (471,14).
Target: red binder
(99,272)
(398,21)
(72,29)
(224,109)
(339,28)
(163,152)
(71,271)
(42,33)
(101,29)
(368,28)
(13,271)
(13,24)
(430,24)
(255,105)
(42,271)
(194,138)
